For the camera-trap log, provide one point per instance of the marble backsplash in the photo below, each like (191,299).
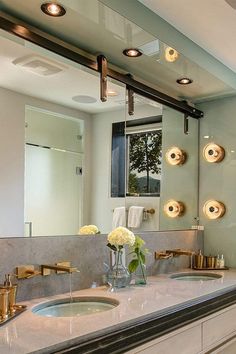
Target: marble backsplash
(89,254)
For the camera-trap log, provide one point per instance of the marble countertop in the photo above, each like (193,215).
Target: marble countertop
(31,333)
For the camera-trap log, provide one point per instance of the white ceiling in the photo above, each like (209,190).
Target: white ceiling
(95,28)
(209,23)
(58,88)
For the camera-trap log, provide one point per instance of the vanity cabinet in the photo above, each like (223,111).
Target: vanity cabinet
(215,334)
(183,341)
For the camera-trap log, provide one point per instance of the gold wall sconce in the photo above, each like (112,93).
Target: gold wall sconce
(173,208)
(213,153)
(213,209)
(175,156)
(171,54)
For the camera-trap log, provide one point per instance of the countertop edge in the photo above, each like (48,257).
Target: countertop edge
(130,334)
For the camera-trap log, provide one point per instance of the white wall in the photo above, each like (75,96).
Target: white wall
(102,204)
(12,139)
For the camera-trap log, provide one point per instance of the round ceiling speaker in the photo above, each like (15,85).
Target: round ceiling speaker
(84,99)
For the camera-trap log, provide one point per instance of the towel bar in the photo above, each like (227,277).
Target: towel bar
(149,211)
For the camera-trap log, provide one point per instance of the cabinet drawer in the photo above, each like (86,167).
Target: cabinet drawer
(184,342)
(219,326)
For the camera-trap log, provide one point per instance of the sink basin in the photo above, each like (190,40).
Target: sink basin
(76,307)
(194,276)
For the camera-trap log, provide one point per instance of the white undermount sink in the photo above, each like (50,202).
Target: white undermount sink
(196,276)
(75,307)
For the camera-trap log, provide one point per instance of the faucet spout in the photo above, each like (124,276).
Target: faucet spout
(61,268)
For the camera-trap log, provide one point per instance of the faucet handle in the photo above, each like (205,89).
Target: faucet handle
(26,271)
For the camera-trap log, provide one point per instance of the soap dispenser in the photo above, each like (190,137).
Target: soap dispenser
(12,292)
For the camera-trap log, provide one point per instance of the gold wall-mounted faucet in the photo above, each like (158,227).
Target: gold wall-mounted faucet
(173,253)
(63,267)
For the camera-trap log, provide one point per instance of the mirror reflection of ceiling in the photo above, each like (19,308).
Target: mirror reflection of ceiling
(30,70)
(95,28)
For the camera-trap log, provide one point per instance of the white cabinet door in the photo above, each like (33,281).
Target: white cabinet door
(186,342)
(218,327)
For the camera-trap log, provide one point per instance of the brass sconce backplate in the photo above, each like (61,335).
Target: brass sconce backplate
(173,208)
(213,209)
(213,153)
(175,156)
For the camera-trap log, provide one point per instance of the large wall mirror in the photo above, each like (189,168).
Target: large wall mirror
(69,159)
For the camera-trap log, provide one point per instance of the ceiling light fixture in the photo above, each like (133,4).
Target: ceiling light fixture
(112,93)
(132,52)
(53,9)
(184,81)
(171,55)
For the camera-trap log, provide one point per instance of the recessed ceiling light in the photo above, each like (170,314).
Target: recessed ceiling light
(184,81)
(53,9)
(132,52)
(112,93)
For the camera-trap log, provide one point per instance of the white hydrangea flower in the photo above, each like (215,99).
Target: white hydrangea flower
(121,236)
(88,230)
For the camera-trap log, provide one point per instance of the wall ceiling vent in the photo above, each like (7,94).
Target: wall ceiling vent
(39,65)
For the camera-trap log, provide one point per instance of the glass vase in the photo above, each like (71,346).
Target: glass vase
(118,276)
(140,275)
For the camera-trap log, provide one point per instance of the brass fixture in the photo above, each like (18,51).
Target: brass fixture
(213,153)
(213,209)
(26,271)
(12,292)
(4,303)
(53,9)
(173,253)
(162,255)
(171,54)
(46,268)
(175,156)
(174,208)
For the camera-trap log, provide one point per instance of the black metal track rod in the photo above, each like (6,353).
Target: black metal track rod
(31,35)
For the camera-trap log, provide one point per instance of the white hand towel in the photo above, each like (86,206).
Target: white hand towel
(135,216)
(119,217)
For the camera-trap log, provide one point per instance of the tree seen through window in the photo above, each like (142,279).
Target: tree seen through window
(144,162)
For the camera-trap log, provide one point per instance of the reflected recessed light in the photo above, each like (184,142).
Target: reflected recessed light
(184,81)
(132,52)
(53,9)
(112,93)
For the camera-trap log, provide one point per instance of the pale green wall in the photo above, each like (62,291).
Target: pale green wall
(179,182)
(218,180)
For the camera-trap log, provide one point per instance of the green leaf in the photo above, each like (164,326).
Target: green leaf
(133,265)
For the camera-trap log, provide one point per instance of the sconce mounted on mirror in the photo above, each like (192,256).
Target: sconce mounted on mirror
(213,153)
(213,209)
(176,156)
(102,68)
(174,208)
